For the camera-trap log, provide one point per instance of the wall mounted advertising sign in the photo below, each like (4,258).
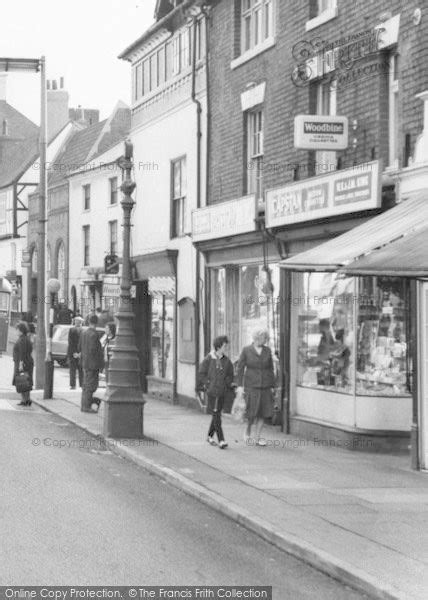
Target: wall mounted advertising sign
(346,191)
(320,132)
(224,219)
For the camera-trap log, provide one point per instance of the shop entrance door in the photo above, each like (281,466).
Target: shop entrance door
(423,370)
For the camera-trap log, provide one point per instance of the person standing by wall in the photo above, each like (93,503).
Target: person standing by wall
(216,377)
(23,360)
(256,379)
(91,355)
(73,352)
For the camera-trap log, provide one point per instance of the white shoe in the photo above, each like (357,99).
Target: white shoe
(223,445)
(261,442)
(211,441)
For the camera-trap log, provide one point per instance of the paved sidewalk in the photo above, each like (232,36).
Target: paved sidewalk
(359,517)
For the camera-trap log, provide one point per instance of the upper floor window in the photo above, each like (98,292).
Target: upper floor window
(256,23)
(113,237)
(178,197)
(86,247)
(113,190)
(323,5)
(326,102)
(254,154)
(320,11)
(86,197)
(168,60)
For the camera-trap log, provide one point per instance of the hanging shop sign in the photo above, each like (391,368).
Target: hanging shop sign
(224,219)
(346,191)
(320,132)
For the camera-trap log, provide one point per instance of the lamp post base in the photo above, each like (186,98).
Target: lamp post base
(124,413)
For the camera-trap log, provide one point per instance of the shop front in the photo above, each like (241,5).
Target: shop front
(242,280)
(352,338)
(155,307)
(406,259)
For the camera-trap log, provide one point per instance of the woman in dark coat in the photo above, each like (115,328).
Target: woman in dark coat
(23,360)
(216,377)
(256,379)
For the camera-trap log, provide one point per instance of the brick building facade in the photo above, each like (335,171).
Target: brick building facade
(270,61)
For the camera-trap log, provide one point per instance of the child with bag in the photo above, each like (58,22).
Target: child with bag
(216,377)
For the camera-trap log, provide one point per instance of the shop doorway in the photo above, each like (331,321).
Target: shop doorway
(423,370)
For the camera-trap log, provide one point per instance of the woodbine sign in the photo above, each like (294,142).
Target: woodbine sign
(313,132)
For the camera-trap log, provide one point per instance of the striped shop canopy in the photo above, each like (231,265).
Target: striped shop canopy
(162,286)
(405,218)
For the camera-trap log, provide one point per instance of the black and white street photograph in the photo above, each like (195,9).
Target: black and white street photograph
(214,299)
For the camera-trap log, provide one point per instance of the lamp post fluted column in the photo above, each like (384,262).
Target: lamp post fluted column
(124,401)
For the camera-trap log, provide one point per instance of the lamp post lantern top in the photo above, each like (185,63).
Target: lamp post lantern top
(53,286)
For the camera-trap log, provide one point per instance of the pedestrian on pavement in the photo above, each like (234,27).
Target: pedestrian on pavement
(23,360)
(216,377)
(74,362)
(91,355)
(63,314)
(31,333)
(107,341)
(91,313)
(256,380)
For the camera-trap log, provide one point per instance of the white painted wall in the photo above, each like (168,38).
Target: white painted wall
(155,145)
(97,173)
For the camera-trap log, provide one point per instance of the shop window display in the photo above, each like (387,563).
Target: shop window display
(162,336)
(257,287)
(259,302)
(326,332)
(383,360)
(353,335)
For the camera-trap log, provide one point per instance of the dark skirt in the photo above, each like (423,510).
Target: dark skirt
(259,403)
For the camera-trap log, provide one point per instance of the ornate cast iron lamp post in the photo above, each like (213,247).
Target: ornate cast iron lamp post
(124,401)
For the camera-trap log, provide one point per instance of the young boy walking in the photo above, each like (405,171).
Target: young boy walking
(216,377)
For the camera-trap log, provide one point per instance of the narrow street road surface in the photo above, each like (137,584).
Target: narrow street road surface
(73,513)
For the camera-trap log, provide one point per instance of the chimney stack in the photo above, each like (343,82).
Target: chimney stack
(57,102)
(3,86)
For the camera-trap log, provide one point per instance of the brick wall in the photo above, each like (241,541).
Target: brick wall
(363,99)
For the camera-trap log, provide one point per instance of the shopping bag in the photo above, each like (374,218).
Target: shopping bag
(239,407)
(23,382)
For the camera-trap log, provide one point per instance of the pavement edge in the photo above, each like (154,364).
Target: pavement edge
(320,560)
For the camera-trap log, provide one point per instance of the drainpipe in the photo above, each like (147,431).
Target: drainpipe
(198,198)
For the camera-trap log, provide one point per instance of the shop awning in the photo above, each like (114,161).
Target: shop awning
(409,216)
(406,257)
(156,264)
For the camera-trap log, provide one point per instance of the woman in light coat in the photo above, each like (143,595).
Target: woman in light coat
(256,380)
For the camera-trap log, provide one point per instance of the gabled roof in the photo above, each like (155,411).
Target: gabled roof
(20,148)
(85,145)
(163,7)
(162,20)
(73,154)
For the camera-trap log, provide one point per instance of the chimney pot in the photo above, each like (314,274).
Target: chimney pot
(61,83)
(54,84)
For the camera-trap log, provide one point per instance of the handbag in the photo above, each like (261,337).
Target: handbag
(23,382)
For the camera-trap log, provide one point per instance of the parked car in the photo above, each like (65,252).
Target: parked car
(60,342)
